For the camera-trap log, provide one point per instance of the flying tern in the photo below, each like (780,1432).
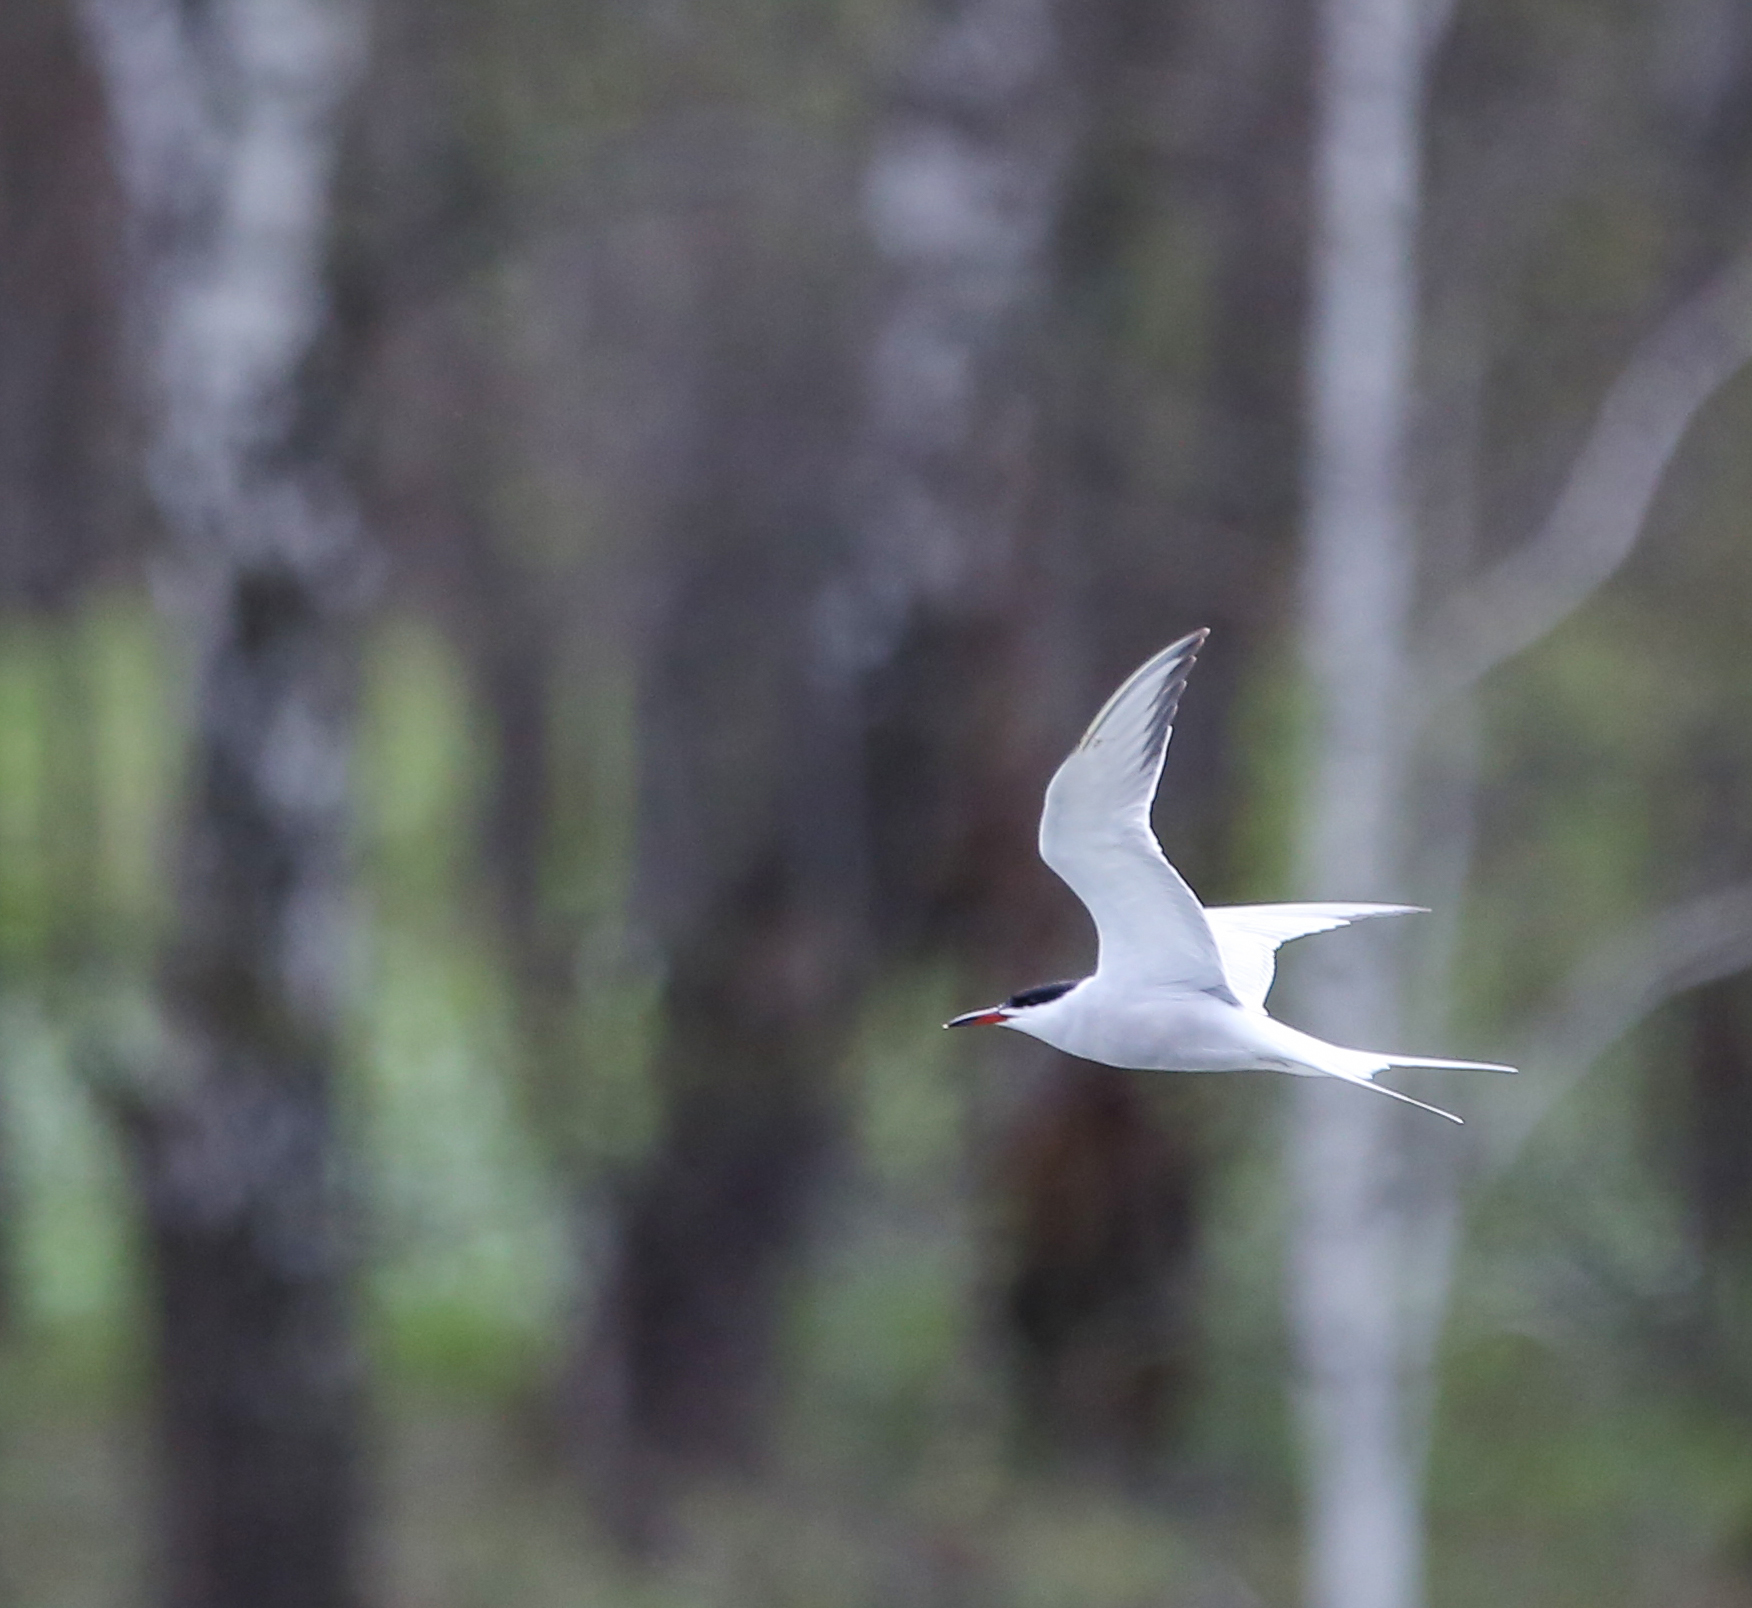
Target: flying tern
(1177,987)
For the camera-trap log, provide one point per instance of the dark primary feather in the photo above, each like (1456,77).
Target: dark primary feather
(1166,703)
(1162,714)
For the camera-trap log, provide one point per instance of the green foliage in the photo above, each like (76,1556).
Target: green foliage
(469,1267)
(1270,724)
(599,1106)
(25,721)
(470,1262)
(884,1320)
(130,720)
(74,1259)
(420,764)
(87,756)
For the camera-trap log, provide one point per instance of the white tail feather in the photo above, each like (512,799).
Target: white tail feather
(1446,1066)
(1394,1094)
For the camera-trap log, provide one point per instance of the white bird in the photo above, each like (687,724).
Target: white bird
(1176,987)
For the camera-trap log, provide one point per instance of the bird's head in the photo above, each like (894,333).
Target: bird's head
(1017,1009)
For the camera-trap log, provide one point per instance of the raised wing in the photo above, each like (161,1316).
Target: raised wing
(1248,937)
(1095,833)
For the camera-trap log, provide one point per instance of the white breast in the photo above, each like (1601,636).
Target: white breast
(1149,1030)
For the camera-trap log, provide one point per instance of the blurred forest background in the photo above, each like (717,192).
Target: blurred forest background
(547,553)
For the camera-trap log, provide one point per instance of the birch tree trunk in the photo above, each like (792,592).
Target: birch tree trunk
(225,122)
(962,501)
(960,617)
(1364,1542)
(1377,1228)
(950,479)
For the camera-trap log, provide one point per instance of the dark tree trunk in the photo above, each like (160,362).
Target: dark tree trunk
(1720,1156)
(233,1135)
(758,1004)
(749,886)
(1103,1217)
(711,1222)
(60,413)
(256,1359)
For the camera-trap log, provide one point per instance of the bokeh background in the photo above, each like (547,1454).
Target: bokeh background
(547,553)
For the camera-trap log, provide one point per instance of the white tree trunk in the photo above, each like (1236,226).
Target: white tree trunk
(1377,1197)
(225,115)
(965,184)
(1364,1541)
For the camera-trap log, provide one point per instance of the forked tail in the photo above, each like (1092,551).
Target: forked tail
(1382,1088)
(1360,1066)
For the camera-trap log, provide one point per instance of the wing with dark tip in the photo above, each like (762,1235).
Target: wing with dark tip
(1095,833)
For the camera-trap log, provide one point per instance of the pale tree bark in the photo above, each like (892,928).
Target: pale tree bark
(963,190)
(769,649)
(1593,526)
(1685,361)
(225,121)
(1364,1539)
(949,490)
(1378,1200)
(954,620)
(757,835)
(950,484)
(1616,985)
